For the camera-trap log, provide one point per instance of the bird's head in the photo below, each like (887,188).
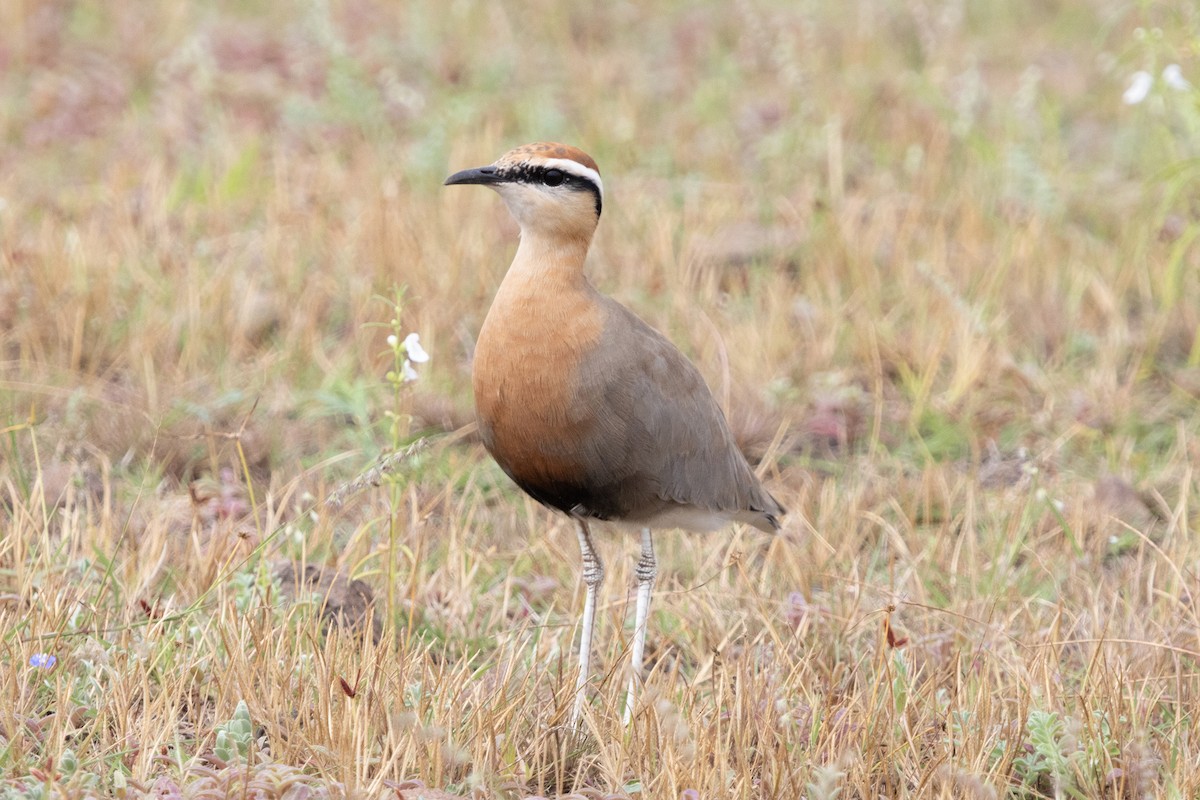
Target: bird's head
(551,189)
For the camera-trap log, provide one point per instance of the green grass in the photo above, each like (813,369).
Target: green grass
(956,281)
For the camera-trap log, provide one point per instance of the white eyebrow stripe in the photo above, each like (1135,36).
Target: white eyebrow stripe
(576,169)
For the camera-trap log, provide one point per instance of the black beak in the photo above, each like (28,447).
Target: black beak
(483,175)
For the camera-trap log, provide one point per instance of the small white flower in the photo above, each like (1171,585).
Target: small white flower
(412,346)
(392,340)
(410,374)
(1139,88)
(1173,77)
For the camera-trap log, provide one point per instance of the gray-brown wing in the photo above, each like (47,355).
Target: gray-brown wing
(658,436)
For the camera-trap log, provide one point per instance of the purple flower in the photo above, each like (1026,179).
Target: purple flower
(42,660)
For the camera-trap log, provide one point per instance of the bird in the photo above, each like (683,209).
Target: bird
(586,407)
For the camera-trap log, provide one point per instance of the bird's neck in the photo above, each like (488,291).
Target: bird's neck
(543,260)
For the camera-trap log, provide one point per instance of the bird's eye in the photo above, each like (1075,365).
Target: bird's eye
(553,177)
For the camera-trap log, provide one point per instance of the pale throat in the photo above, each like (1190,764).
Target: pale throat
(549,259)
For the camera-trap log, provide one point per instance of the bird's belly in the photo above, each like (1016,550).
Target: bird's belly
(529,437)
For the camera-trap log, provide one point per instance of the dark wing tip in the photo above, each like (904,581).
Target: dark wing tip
(774,513)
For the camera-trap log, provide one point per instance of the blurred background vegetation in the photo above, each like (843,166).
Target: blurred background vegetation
(200,203)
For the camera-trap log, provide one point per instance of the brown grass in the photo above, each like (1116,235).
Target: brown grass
(945,280)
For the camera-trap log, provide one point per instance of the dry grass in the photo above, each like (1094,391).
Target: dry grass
(948,283)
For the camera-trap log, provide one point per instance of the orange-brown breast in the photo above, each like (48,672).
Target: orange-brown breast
(525,376)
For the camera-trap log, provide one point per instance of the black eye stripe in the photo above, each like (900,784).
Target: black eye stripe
(536,175)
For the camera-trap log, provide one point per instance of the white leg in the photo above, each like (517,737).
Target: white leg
(647,569)
(593,574)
